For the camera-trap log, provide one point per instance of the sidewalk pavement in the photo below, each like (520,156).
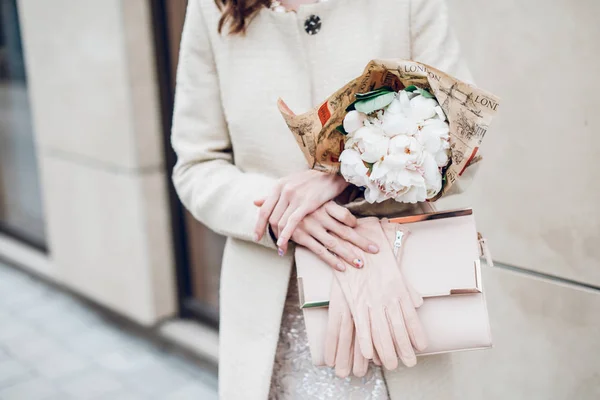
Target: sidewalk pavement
(54,347)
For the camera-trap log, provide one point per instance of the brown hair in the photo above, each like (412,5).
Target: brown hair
(236,14)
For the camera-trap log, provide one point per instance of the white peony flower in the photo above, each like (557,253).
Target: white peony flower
(373,194)
(370,142)
(434,136)
(431,175)
(406,148)
(395,107)
(415,194)
(398,124)
(442,157)
(440,113)
(353,168)
(423,108)
(407,112)
(400,170)
(397,118)
(396,183)
(354,120)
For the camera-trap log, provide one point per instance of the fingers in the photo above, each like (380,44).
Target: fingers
(317,248)
(301,201)
(264,214)
(382,340)
(346,232)
(343,359)
(341,214)
(413,325)
(363,331)
(402,340)
(360,364)
(415,297)
(334,320)
(407,303)
(336,245)
(278,212)
(282,245)
(259,202)
(376,359)
(351,236)
(291,224)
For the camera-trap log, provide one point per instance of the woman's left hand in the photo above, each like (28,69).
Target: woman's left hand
(329,233)
(293,198)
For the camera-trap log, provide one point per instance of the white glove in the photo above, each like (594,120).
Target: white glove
(381,303)
(341,351)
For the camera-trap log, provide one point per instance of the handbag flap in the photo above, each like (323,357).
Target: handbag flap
(441,255)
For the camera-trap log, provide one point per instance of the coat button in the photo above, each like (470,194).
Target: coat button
(312,25)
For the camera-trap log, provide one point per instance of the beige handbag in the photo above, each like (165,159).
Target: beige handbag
(441,261)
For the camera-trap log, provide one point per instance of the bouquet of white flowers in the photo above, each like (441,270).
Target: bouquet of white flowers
(402,130)
(397,145)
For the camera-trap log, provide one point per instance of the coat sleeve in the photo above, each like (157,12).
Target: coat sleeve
(432,39)
(211,187)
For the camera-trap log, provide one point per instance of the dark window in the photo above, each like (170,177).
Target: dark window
(198,250)
(21,212)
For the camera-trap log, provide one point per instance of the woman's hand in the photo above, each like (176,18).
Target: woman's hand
(328,232)
(295,197)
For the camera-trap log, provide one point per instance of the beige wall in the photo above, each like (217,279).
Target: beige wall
(92,87)
(537,194)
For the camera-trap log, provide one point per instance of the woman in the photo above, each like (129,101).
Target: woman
(235,153)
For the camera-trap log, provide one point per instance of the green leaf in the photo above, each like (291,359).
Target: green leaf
(369,165)
(425,93)
(374,93)
(444,176)
(369,95)
(341,130)
(376,103)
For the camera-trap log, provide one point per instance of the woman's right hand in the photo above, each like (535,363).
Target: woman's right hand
(327,232)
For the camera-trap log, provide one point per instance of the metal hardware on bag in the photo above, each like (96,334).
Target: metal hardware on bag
(398,241)
(477,288)
(453,292)
(315,304)
(312,304)
(432,216)
(484,250)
